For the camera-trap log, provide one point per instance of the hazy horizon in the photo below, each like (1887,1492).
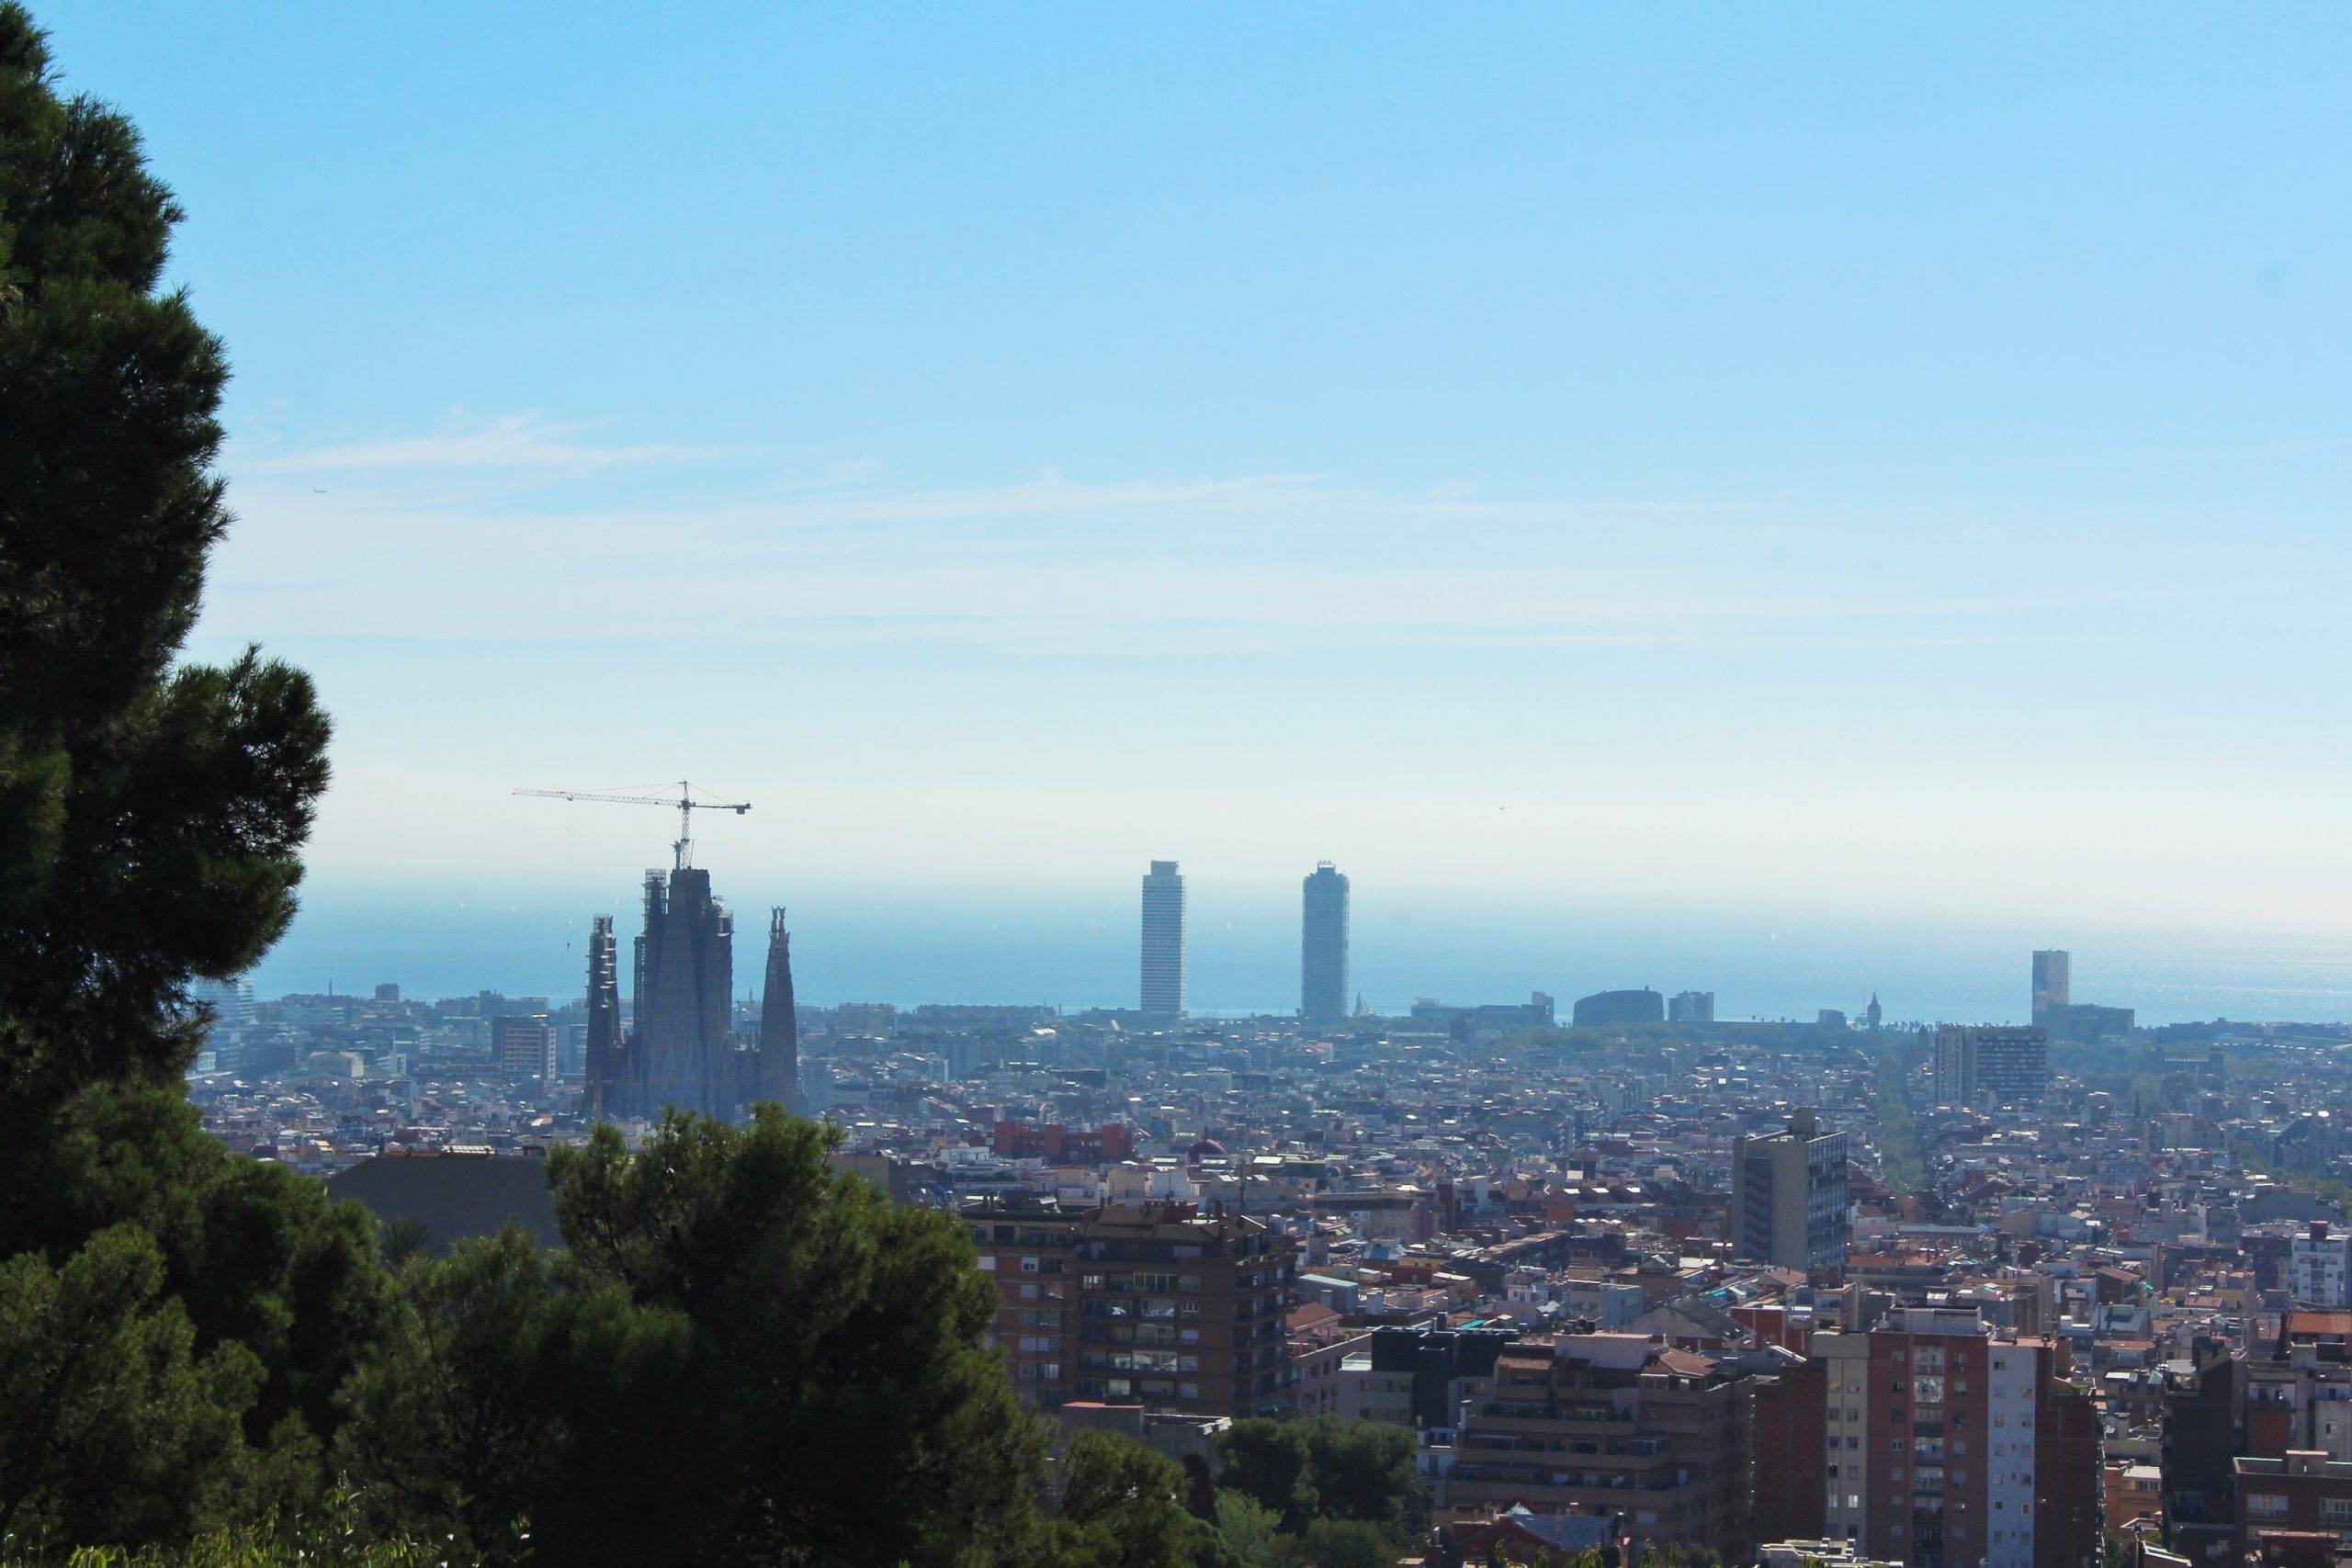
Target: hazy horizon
(1076,952)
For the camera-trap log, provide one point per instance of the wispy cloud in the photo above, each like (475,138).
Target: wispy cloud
(841,554)
(527,442)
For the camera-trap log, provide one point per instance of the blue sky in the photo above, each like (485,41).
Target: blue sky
(1877,462)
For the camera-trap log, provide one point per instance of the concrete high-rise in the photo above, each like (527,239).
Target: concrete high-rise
(2011,1066)
(1788,1197)
(1690,1007)
(524,1046)
(1163,941)
(1323,946)
(2052,983)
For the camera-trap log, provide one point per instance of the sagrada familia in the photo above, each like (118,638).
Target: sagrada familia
(681,1048)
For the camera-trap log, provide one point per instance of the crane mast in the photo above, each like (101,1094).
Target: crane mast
(685,806)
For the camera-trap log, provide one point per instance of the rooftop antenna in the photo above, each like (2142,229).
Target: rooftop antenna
(685,806)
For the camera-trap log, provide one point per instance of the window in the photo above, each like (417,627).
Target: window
(2266,1505)
(2336,1510)
(1029,1265)
(988,1265)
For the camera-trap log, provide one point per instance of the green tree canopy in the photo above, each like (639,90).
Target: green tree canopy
(111,1426)
(745,1356)
(150,811)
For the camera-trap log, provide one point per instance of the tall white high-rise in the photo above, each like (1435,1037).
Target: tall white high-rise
(1163,941)
(1323,946)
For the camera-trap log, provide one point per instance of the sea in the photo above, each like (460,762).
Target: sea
(1074,951)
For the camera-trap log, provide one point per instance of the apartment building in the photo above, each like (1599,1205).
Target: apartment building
(2320,1267)
(1153,1304)
(1614,1425)
(2304,1494)
(1949,1447)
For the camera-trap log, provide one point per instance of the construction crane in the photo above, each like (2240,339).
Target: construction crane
(685,806)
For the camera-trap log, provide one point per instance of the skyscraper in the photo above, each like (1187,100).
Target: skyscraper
(1323,946)
(1163,941)
(2052,983)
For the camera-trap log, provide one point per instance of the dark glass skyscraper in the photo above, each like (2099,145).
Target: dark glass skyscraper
(1163,942)
(1323,946)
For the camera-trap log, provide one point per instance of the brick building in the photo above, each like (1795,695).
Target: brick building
(1614,1425)
(1948,1446)
(2304,1494)
(1152,1304)
(1059,1145)
(1790,1449)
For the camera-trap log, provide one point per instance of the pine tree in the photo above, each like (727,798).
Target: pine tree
(150,809)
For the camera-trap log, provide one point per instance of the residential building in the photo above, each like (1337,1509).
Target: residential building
(1323,946)
(1613,1424)
(1163,941)
(524,1046)
(1136,1303)
(1788,1196)
(1690,1007)
(2319,1270)
(2009,1066)
(2304,1494)
(1948,1445)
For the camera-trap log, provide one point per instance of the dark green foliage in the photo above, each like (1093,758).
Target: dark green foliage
(511,1395)
(1266,1461)
(150,815)
(744,1357)
(112,1428)
(254,1253)
(1361,1471)
(326,1536)
(1121,1507)
(1324,1468)
(1346,1543)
